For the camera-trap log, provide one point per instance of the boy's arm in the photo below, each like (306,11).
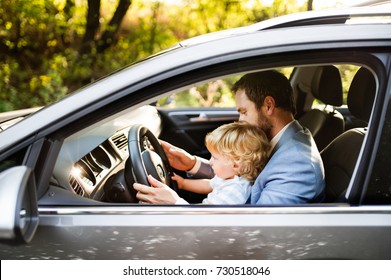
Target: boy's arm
(200,186)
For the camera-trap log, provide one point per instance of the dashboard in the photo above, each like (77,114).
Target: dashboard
(93,170)
(89,160)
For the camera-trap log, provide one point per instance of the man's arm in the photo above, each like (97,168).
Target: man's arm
(201,170)
(181,160)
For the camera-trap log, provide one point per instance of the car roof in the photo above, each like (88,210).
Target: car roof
(320,17)
(371,3)
(199,54)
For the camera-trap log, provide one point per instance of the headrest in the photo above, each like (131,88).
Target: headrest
(327,85)
(362,94)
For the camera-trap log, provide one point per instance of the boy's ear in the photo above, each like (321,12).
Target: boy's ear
(236,166)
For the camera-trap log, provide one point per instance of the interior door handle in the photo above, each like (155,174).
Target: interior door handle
(202,117)
(224,117)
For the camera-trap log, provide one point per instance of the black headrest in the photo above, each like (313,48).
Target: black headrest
(362,94)
(327,85)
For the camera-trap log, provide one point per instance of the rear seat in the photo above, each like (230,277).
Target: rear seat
(327,123)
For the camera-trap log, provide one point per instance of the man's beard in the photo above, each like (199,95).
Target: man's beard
(265,124)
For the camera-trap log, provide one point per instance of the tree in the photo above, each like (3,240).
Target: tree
(39,43)
(108,37)
(92,26)
(309,5)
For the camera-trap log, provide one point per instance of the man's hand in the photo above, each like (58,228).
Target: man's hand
(158,194)
(178,158)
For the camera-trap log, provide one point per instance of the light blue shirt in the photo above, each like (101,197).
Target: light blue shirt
(229,191)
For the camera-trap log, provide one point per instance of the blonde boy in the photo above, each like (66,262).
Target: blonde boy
(239,152)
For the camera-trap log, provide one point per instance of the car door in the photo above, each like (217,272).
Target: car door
(140,231)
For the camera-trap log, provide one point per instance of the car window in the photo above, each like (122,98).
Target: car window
(346,72)
(215,93)
(13,160)
(93,162)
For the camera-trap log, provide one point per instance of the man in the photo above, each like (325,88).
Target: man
(294,173)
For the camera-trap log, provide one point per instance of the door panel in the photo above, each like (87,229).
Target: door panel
(138,232)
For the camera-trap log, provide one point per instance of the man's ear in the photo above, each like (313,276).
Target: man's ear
(270,104)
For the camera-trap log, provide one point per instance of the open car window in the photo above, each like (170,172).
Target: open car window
(94,162)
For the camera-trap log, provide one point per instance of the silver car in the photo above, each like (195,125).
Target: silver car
(67,170)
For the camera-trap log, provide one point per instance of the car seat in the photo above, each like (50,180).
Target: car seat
(340,156)
(325,123)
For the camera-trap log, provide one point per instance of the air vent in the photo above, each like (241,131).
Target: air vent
(120,141)
(76,186)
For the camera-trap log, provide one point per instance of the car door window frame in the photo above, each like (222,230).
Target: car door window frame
(249,63)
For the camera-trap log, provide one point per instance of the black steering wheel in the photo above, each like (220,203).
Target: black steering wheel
(147,157)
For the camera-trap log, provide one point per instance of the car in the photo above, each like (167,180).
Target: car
(8,119)
(67,170)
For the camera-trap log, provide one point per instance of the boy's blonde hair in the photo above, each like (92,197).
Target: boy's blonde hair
(242,143)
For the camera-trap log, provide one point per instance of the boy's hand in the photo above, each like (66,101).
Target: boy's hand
(179,180)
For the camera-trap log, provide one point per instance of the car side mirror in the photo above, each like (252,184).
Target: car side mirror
(18,205)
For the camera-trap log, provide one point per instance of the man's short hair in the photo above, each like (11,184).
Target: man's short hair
(272,83)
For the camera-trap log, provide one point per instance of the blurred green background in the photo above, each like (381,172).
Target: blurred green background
(49,48)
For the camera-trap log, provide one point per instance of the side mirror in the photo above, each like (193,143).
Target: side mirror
(18,205)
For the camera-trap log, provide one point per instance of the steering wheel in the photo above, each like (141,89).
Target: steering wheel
(146,156)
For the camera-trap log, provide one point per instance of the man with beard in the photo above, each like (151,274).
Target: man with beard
(294,173)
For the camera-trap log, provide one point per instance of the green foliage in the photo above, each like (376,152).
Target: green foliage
(40,42)
(216,93)
(347,73)
(7,91)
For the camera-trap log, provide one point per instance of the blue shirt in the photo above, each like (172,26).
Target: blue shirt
(230,191)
